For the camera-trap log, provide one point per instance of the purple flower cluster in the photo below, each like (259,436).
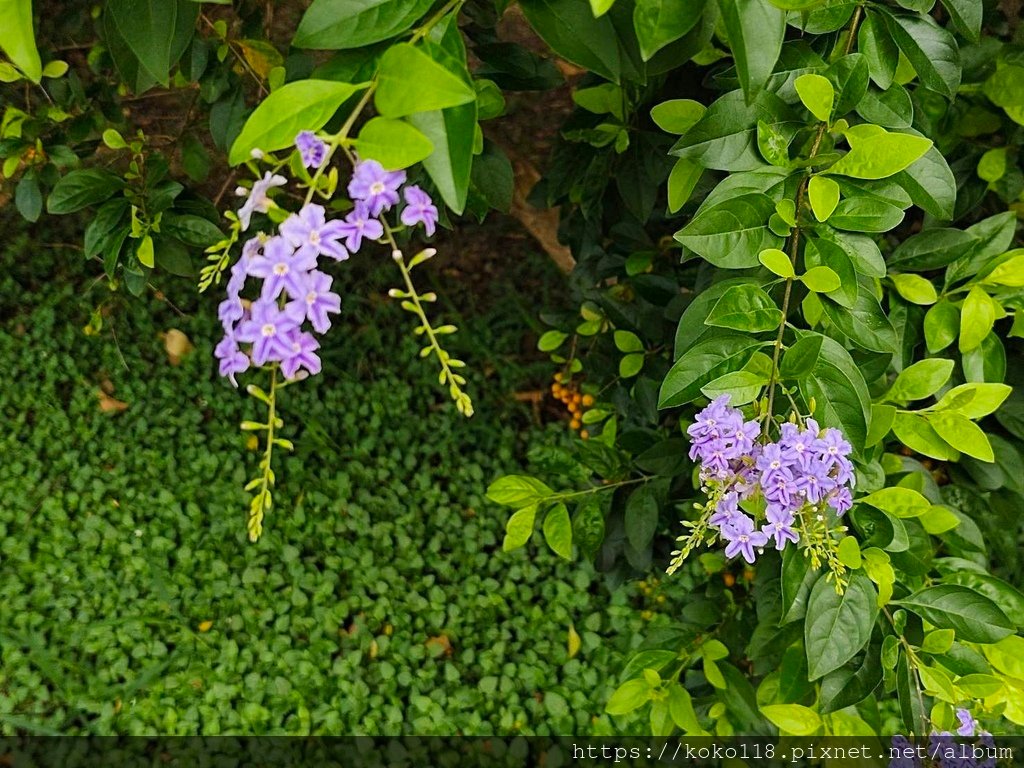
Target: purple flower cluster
(293,291)
(806,467)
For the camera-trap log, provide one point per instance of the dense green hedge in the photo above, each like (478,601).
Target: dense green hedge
(120,536)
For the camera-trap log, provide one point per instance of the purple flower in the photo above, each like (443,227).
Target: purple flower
(258,200)
(375,186)
(742,537)
(841,500)
(300,353)
(419,209)
(796,445)
(771,461)
(903,753)
(310,232)
(311,149)
(815,483)
(268,329)
(232,360)
(230,311)
(359,224)
(725,510)
(282,269)
(780,526)
(781,488)
(319,300)
(967,723)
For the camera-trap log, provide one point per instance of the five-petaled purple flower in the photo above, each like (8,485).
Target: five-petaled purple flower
(311,233)
(301,353)
(282,268)
(375,186)
(268,329)
(319,300)
(419,209)
(743,537)
(359,224)
(311,149)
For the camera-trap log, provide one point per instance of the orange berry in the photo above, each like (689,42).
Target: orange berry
(748,574)
(577,398)
(585,435)
(575,424)
(588,400)
(558,376)
(729,579)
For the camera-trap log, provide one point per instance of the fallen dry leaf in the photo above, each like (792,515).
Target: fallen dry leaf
(110,404)
(177,345)
(440,645)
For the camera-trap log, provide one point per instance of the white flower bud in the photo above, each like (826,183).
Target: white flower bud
(256,154)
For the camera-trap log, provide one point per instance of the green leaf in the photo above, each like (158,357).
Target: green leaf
(938,641)
(28,198)
(725,137)
(821,279)
(1008,598)
(571,30)
(800,359)
(973,617)
(680,707)
(677,115)
(17,38)
(880,155)
(922,379)
(518,491)
(865,323)
(345,24)
(433,88)
(838,388)
(916,433)
(930,184)
(755,30)
(848,552)
(742,387)
(824,196)
(701,364)
(864,214)
(966,17)
(878,567)
(974,401)
(82,188)
(627,341)
(1008,273)
(302,105)
(631,365)
(793,719)
(915,289)
(519,528)
(962,433)
(898,501)
(821,252)
(1004,88)
(845,686)
(641,517)
(931,50)
(145,252)
(558,531)
(777,262)
(393,143)
(882,417)
(731,234)
(818,95)
(660,22)
(551,340)
(941,326)
(683,178)
(879,49)
(838,626)
(450,165)
(190,229)
(631,695)
(977,316)
(745,308)
(154,31)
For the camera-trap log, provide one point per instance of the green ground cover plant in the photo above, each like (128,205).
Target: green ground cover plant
(379,601)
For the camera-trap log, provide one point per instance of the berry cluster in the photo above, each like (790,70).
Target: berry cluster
(574,401)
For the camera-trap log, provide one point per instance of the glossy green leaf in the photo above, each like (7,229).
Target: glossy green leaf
(838,626)
(915,289)
(821,279)
(898,502)
(755,29)
(450,164)
(793,719)
(837,386)
(519,528)
(701,364)
(916,433)
(393,143)
(82,188)
(941,325)
(880,155)
(975,400)
(660,22)
(931,50)
(971,615)
(434,87)
(518,491)
(799,359)
(681,181)
(17,38)
(977,316)
(677,115)
(732,234)
(302,105)
(879,49)
(864,323)
(817,94)
(745,308)
(346,24)
(573,32)
(153,31)
(558,531)
(920,380)
(962,433)
(823,193)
